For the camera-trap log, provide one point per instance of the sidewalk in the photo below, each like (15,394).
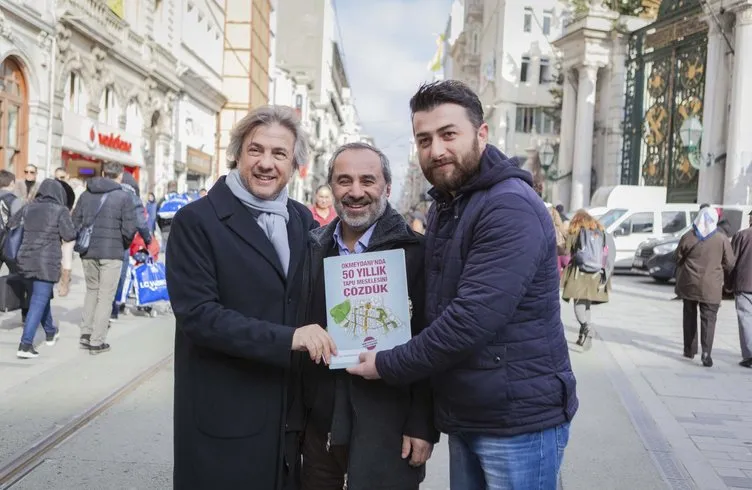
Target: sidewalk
(40,394)
(695,422)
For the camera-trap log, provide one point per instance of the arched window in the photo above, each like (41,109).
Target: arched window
(14,110)
(76,98)
(134,121)
(109,109)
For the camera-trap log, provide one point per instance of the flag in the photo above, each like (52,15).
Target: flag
(117,7)
(435,64)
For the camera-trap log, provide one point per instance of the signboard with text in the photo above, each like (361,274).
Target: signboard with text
(101,141)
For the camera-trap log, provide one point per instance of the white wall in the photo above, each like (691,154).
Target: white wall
(202,37)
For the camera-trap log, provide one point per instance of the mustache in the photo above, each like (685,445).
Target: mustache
(348,202)
(445,161)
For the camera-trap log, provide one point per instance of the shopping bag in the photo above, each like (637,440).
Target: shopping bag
(151,283)
(128,283)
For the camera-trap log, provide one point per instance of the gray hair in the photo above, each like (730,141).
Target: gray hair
(266,116)
(112,170)
(359,145)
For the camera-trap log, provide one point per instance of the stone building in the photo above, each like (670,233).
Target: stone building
(659,104)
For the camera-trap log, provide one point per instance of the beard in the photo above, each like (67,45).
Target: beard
(462,170)
(361,223)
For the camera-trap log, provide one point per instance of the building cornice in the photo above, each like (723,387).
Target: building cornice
(202,92)
(28,15)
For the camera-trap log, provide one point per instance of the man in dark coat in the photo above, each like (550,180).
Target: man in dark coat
(237,262)
(378,435)
(109,210)
(494,346)
(742,282)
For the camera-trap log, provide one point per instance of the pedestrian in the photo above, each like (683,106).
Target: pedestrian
(27,189)
(130,185)
(742,283)
(367,434)
(494,347)
(10,204)
(322,209)
(61,175)
(587,278)
(47,223)
(166,209)
(237,262)
(109,210)
(702,256)
(201,193)
(151,212)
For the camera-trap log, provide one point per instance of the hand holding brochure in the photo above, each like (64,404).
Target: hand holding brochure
(367,304)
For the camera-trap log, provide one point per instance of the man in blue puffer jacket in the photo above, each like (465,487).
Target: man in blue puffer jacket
(495,348)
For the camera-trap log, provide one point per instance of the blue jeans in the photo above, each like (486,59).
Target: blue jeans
(121,283)
(525,462)
(40,310)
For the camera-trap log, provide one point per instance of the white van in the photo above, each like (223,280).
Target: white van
(632,226)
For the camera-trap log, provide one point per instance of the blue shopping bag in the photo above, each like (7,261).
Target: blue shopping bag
(151,283)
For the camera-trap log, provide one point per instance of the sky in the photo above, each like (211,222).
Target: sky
(388,45)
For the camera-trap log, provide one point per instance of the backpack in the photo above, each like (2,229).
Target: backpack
(592,252)
(5,205)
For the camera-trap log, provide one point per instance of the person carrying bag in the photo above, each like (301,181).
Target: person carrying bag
(83,238)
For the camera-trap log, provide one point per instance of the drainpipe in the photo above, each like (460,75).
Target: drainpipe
(53,66)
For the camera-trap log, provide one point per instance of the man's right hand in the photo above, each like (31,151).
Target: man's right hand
(316,341)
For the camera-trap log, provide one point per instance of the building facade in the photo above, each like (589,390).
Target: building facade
(310,61)
(518,71)
(246,65)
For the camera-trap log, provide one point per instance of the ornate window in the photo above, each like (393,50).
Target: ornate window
(76,97)
(109,109)
(14,109)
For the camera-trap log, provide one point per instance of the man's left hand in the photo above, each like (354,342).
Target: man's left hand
(367,366)
(418,450)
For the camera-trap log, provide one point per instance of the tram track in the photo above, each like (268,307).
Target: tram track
(33,455)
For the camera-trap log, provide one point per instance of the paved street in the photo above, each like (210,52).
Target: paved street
(648,419)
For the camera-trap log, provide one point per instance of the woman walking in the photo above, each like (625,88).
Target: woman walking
(587,277)
(47,223)
(702,257)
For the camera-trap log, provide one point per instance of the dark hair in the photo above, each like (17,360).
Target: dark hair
(704,205)
(172,186)
(560,208)
(431,95)
(203,189)
(112,170)
(6,178)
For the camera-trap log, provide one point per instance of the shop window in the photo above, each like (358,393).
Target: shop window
(13,117)
(76,98)
(109,110)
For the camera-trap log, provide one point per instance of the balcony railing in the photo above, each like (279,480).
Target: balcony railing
(95,15)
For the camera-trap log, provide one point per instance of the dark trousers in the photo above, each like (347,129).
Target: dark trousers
(322,469)
(708,314)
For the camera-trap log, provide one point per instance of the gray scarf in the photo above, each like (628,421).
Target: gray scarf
(272,215)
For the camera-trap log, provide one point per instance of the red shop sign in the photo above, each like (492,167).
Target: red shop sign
(112,141)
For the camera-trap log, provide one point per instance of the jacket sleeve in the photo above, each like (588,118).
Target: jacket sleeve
(194,295)
(509,240)
(729,258)
(142,225)
(65,226)
(129,223)
(420,423)
(16,206)
(78,214)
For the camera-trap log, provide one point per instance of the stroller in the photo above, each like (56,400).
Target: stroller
(145,295)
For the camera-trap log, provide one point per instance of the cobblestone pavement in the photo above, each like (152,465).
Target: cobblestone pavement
(696,422)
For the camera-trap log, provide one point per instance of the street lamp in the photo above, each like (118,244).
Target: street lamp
(690,133)
(546,154)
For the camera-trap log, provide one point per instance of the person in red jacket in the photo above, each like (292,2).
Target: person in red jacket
(322,209)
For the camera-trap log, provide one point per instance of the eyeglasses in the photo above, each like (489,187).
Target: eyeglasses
(30,172)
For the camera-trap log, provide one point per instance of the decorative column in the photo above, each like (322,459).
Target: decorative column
(582,163)
(739,147)
(562,188)
(714,121)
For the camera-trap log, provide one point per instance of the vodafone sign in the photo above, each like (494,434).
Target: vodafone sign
(112,141)
(101,141)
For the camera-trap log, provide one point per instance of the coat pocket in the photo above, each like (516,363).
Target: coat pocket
(230,400)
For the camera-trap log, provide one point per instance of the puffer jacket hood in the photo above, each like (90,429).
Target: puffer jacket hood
(100,185)
(51,191)
(130,181)
(494,168)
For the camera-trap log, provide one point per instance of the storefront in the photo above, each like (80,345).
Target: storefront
(198,168)
(87,144)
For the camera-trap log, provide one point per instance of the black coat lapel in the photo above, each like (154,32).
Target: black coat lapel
(297,236)
(242,222)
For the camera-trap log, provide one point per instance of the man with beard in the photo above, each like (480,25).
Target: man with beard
(387,444)
(494,346)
